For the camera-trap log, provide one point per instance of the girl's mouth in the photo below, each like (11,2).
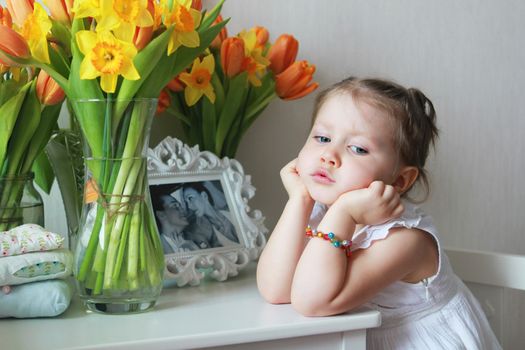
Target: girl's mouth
(322,176)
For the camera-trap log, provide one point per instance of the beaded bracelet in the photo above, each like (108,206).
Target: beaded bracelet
(344,244)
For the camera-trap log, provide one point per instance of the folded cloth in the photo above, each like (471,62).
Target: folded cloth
(28,238)
(35,266)
(37,299)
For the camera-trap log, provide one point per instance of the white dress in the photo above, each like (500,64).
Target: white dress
(439,312)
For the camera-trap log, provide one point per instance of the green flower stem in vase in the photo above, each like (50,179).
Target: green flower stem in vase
(119,257)
(20,203)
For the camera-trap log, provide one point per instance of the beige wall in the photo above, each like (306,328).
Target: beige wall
(469,59)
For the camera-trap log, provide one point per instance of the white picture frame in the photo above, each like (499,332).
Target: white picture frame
(195,183)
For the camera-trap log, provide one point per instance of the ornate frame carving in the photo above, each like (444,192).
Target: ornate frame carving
(173,162)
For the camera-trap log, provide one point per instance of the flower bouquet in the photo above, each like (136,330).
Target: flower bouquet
(29,109)
(112,58)
(220,95)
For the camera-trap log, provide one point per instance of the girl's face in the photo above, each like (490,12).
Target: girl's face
(349,146)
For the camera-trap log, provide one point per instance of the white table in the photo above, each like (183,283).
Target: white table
(228,315)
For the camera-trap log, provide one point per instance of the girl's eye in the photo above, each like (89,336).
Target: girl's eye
(322,139)
(358,150)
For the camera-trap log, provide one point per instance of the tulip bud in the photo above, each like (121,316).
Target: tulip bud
(47,90)
(175,85)
(60,10)
(21,10)
(282,53)
(262,36)
(5,17)
(163,102)
(232,56)
(293,83)
(223,34)
(142,37)
(13,44)
(196,4)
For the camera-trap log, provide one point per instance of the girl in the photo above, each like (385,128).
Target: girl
(368,244)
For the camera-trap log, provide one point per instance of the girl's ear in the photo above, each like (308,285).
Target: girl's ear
(405,179)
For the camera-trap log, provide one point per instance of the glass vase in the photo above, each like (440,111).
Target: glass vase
(20,202)
(119,260)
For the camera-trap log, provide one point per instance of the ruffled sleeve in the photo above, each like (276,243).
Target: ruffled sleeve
(410,218)
(318,212)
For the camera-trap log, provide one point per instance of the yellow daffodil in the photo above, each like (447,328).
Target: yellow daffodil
(122,16)
(34,30)
(107,57)
(86,8)
(198,81)
(184,21)
(255,62)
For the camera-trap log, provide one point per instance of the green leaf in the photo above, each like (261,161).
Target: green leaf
(25,127)
(62,34)
(212,15)
(219,91)
(9,112)
(234,99)
(87,114)
(64,169)
(208,124)
(44,175)
(48,122)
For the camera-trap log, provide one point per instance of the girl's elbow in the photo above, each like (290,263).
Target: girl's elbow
(274,296)
(312,307)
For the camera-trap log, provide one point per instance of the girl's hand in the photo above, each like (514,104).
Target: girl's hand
(292,182)
(373,205)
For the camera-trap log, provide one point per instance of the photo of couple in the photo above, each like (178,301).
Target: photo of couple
(192,216)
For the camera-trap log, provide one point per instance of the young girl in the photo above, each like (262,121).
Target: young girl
(368,245)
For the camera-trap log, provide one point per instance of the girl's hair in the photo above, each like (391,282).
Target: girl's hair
(415,127)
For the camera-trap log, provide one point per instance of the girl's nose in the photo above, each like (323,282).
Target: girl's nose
(330,158)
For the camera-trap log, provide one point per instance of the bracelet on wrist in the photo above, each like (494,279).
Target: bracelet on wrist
(345,244)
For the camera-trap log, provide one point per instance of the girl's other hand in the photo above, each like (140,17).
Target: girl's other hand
(292,181)
(373,205)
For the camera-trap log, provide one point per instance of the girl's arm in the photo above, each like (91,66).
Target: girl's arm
(279,258)
(327,282)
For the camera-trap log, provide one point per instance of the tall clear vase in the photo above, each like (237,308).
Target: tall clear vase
(119,260)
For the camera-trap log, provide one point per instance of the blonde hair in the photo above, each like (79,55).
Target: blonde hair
(412,111)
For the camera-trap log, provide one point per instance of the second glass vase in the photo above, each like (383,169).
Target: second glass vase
(119,260)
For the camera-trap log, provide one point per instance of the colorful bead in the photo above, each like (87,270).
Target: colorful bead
(344,245)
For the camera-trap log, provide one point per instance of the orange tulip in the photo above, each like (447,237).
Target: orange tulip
(164,101)
(293,82)
(232,56)
(60,10)
(223,34)
(47,90)
(175,85)
(262,35)
(282,53)
(13,44)
(20,9)
(5,17)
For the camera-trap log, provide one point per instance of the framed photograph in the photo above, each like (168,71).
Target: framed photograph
(200,204)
